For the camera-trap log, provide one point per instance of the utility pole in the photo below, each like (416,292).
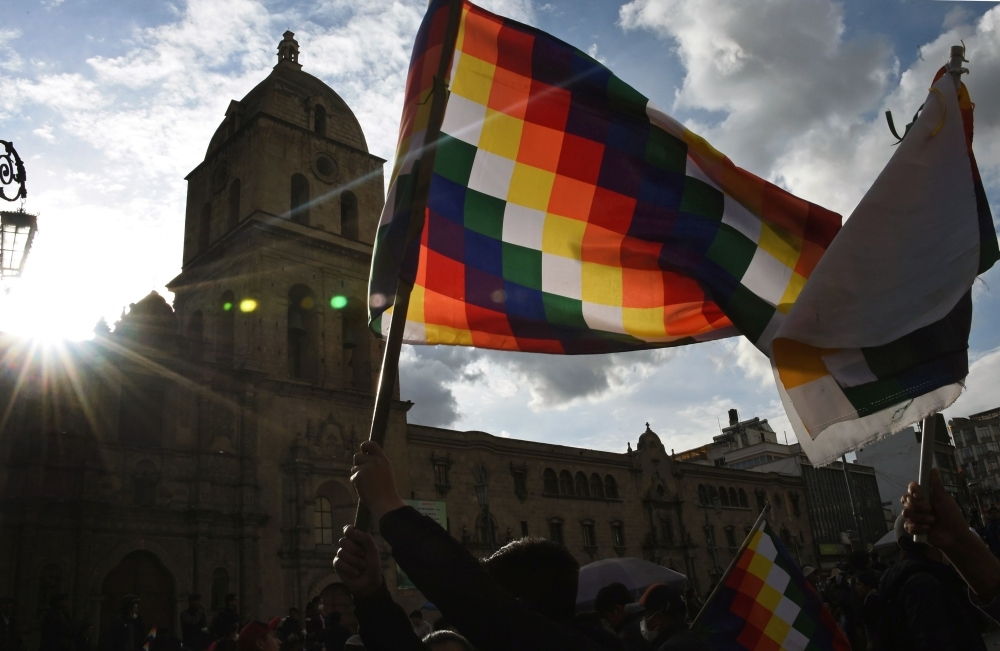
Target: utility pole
(854,507)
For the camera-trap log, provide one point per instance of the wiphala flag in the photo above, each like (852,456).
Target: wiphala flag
(766,604)
(567,214)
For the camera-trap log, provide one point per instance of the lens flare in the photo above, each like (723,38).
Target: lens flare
(227,306)
(307,303)
(248,305)
(338,302)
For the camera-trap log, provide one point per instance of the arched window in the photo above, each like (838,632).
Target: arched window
(205,228)
(319,120)
(357,353)
(761,498)
(220,588)
(323,521)
(300,200)
(234,204)
(145,480)
(582,488)
(703,495)
(550,481)
(723,496)
(196,335)
(349,215)
(303,333)
(610,487)
(596,486)
(565,483)
(733,499)
(713,495)
(226,327)
(743,499)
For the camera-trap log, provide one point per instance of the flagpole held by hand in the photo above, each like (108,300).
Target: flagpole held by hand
(401,302)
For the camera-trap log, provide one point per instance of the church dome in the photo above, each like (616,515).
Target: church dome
(291,95)
(648,440)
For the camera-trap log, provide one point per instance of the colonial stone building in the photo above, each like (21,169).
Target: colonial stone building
(206,446)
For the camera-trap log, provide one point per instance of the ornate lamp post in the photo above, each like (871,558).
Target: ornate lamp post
(17,227)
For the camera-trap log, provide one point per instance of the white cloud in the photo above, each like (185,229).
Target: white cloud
(981,387)
(45,133)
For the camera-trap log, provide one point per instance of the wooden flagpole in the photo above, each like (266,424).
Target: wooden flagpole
(932,422)
(732,563)
(418,204)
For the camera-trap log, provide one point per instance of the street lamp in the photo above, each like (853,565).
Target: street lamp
(17,228)
(483,497)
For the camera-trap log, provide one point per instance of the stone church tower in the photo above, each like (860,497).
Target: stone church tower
(206,447)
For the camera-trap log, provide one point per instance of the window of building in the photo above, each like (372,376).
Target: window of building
(140,416)
(302,333)
(713,496)
(731,538)
(703,495)
(596,486)
(617,534)
(550,481)
(234,204)
(220,588)
(204,228)
(794,497)
(667,531)
(349,215)
(661,492)
(589,535)
(743,499)
(967,453)
(145,481)
(761,499)
(610,487)
(225,326)
(524,529)
(565,483)
(723,496)
(733,499)
(556,531)
(441,475)
(299,212)
(520,482)
(582,485)
(323,521)
(319,120)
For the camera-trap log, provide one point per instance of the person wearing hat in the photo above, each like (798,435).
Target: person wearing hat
(926,605)
(664,623)
(127,632)
(258,636)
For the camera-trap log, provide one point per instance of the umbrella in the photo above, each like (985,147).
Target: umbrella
(635,573)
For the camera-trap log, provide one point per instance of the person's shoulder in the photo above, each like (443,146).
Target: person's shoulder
(684,640)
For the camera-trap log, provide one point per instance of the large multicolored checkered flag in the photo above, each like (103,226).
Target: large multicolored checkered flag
(568,214)
(765,603)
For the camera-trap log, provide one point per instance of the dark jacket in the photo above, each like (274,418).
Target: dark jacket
(629,633)
(993,536)
(10,635)
(335,634)
(192,623)
(487,615)
(57,632)
(871,613)
(926,608)
(224,622)
(678,638)
(124,634)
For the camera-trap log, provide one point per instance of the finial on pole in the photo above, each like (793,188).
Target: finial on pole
(955,64)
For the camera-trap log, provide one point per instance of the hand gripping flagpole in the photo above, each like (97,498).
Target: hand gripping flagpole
(418,204)
(736,559)
(935,422)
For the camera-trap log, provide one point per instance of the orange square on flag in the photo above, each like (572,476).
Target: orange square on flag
(540,147)
(571,198)
(509,93)
(641,288)
(445,311)
(480,35)
(602,246)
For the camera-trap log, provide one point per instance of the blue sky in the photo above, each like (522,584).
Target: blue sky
(111,103)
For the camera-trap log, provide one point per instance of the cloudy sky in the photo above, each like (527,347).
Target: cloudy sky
(112,102)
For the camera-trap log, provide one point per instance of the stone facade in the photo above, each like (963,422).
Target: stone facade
(206,446)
